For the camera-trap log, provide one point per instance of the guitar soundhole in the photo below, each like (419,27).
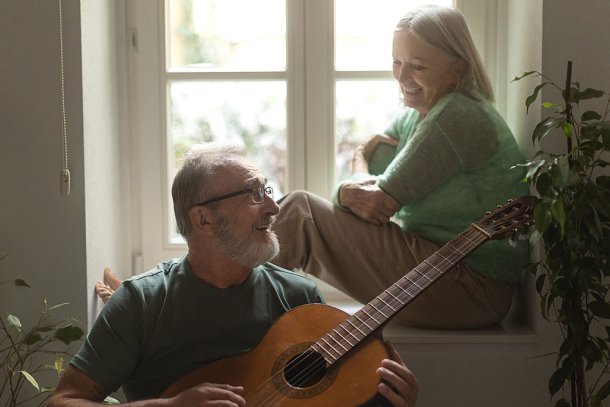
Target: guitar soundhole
(301,373)
(305,370)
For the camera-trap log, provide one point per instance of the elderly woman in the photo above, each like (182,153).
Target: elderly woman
(442,163)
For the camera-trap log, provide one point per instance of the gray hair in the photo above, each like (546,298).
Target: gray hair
(195,181)
(445,29)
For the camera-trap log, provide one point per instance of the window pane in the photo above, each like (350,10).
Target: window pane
(363,108)
(242,35)
(248,114)
(363,32)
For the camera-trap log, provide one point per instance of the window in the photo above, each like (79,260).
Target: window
(299,83)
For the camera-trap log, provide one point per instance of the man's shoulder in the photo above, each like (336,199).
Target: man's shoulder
(156,277)
(282,273)
(288,278)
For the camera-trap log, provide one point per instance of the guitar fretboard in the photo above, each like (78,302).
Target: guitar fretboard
(356,328)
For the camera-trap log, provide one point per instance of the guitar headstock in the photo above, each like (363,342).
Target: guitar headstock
(509,219)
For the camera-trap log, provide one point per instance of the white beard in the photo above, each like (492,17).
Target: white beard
(245,250)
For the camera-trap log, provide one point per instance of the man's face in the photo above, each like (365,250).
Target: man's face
(243,227)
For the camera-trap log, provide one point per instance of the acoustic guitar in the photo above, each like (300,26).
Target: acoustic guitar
(317,355)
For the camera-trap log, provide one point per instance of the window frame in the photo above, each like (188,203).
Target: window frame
(310,106)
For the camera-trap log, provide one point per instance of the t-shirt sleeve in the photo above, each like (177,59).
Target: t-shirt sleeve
(112,348)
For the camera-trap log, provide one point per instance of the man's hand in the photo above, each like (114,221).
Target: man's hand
(211,394)
(400,386)
(368,201)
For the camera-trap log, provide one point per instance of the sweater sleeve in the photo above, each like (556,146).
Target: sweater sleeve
(456,136)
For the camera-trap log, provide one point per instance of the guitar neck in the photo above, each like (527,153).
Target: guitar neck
(359,326)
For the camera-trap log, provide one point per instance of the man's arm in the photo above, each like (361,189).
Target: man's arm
(77,389)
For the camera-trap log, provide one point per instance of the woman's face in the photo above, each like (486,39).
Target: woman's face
(425,74)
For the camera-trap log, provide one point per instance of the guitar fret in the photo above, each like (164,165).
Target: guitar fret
(395,297)
(370,316)
(339,342)
(378,310)
(386,304)
(413,282)
(424,275)
(443,257)
(332,347)
(457,250)
(352,324)
(432,265)
(403,290)
(349,332)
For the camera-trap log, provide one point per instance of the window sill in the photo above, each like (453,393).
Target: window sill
(508,332)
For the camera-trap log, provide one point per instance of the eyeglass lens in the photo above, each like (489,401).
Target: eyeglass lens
(258,193)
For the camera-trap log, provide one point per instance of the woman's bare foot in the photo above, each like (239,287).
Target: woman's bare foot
(111,280)
(103,291)
(106,289)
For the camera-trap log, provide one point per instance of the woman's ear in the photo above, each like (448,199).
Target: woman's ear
(459,69)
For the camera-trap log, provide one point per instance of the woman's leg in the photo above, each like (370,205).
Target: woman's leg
(362,260)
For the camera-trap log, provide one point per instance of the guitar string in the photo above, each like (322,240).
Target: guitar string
(308,372)
(454,255)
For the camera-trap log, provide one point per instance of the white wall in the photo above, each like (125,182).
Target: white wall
(44,231)
(60,244)
(106,143)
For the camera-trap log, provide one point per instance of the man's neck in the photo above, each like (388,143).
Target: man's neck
(217,271)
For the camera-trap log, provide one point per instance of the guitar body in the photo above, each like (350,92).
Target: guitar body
(268,381)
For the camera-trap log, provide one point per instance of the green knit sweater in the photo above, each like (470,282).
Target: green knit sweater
(449,168)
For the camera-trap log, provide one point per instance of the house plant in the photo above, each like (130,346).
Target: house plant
(572,221)
(26,352)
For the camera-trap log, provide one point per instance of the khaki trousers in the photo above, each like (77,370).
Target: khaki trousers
(362,260)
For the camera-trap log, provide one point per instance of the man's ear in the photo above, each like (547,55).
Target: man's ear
(200,219)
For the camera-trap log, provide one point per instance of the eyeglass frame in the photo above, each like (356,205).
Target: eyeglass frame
(266,190)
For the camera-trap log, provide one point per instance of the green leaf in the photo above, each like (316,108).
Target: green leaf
(558,379)
(544,184)
(14,322)
(544,127)
(562,403)
(600,309)
(604,391)
(21,283)
(31,338)
(590,115)
(542,216)
(605,131)
(69,334)
(59,364)
(532,98)
(559,215)
(110,400)
(30,379)
(63,304)
(550,105)
(567,129)
(528,73)
(588,93)
(540,283)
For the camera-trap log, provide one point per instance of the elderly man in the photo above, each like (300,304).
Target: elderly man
(216,302)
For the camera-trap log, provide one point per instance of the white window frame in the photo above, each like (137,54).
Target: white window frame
(310,124)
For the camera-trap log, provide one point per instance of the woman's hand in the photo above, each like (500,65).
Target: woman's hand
(364,151)
(399,384)
(367,201)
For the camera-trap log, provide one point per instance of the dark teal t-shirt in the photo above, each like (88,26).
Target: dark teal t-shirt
(164,323)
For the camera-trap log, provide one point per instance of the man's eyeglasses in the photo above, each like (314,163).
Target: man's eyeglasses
(258,195)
